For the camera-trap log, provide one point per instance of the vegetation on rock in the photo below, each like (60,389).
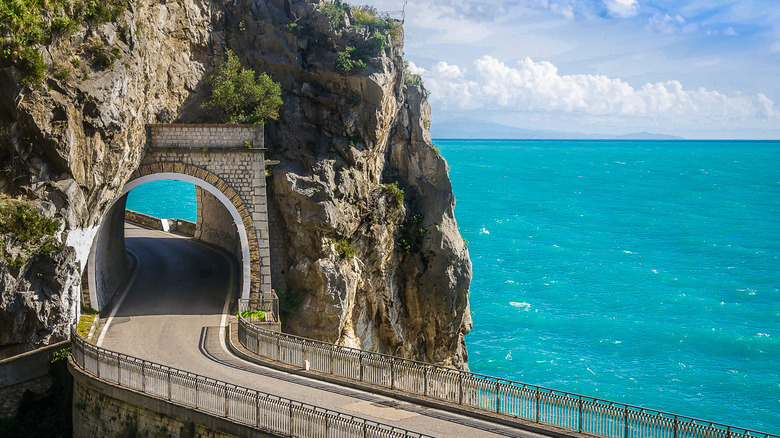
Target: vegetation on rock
(27,230)
(345,250)
(396,194)
(348,61)
(27,23)
(380,26)
(242,96)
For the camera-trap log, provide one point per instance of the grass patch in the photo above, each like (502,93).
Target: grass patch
(85,323)
(345,250)
(253,314)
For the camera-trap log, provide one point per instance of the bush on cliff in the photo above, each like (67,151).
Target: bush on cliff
(25,232)
(348,61)
(27,23)
(242,96)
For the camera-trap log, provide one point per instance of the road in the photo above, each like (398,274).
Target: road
(173,312)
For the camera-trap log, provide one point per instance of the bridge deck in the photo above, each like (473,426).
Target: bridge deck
(172,315)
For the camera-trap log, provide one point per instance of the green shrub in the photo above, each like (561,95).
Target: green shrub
(63,25)
(395,193)
(294,28)
(241,96)
(59,355)
(24,226)
(345,250)
(23,26)
(336,11)
(378,40)
(348,61)
(31,65)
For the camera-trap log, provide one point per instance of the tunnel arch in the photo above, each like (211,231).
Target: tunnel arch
(249,260)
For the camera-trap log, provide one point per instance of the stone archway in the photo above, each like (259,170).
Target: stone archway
(225,162)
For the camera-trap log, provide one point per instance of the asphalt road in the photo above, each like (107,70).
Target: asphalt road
(173,313)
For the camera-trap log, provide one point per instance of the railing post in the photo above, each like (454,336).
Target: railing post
(279,348)
(303,353)
(579,422)
(425,381)
(538,403)
(227,410)
(118,373)
(291,419)
(360,360)
(169,384)
(143,378)
(257,407)
(392,374)
(625,416)
(498,397)
(460,388)
(331,359)
(676,426)
(97,362)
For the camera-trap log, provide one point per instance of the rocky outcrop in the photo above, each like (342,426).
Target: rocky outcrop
(72,143)
(374,258)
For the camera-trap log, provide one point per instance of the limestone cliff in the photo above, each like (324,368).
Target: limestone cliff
(374,258)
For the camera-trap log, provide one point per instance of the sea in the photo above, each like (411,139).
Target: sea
(641,272)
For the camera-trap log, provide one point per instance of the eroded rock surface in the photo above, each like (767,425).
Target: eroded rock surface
(374,251)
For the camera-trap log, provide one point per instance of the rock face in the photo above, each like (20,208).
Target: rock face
(374,257)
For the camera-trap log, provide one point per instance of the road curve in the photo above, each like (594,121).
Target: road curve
(172,315)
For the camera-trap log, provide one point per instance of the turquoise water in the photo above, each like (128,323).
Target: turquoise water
(166,199)
(640,272)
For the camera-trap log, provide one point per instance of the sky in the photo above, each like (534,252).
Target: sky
(690,68)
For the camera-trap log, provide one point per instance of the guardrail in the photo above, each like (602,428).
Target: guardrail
(576,412)
(240,405)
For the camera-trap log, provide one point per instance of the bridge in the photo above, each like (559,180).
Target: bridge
(172,359)
(227,166)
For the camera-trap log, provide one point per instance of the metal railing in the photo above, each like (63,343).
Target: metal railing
(266,304)
(576,412)
(240,405)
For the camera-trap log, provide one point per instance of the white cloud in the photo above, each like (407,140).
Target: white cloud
(414,69)
(622,8)
(668,24)
(538,87)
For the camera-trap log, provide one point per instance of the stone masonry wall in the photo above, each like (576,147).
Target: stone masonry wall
(240,175)
(235,170)
(279,244)
(205,135)
(214,225)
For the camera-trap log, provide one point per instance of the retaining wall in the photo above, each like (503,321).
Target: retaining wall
(101,409)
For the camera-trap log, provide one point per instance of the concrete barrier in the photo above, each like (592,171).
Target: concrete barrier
(178,225)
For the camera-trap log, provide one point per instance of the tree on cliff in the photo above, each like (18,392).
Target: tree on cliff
(242,96)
